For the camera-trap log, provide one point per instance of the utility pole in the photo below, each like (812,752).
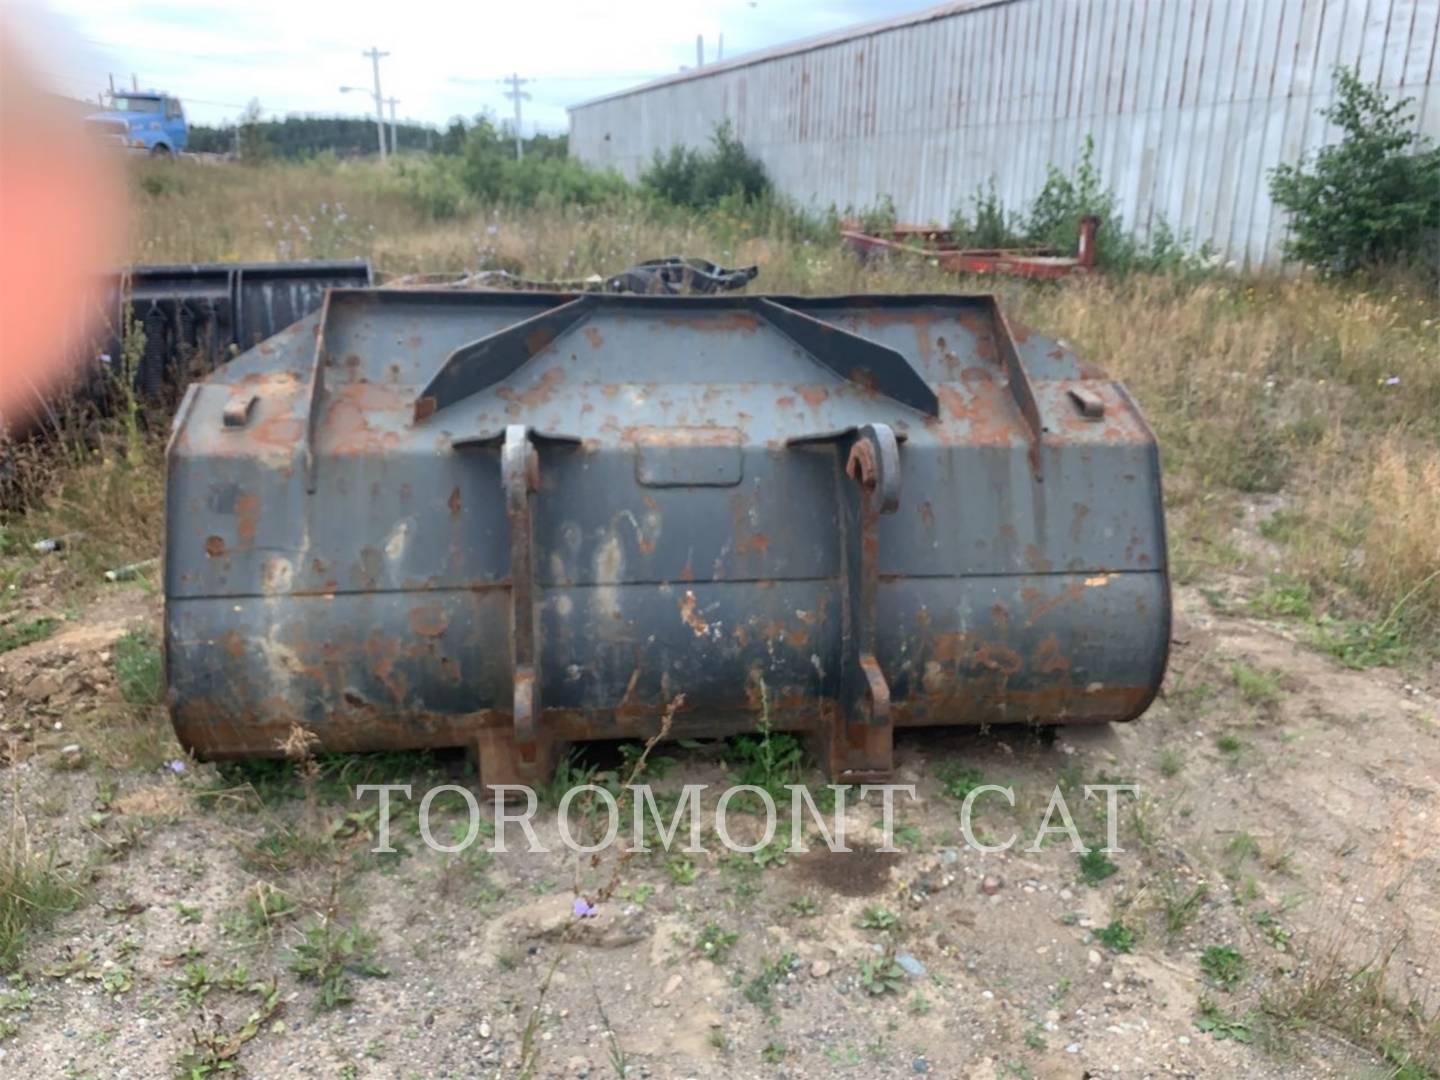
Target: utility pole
(394,135)
(375,54)
(517,95)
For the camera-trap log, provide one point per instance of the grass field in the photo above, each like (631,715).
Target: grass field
(1270,914)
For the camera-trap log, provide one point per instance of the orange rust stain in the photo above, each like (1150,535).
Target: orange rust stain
(233,644)
(687,572)
(691,617)
(1001,614)
(987,408)
(786,402)
(537,395)
(1077,523)
(1048,660)
(927,514)
(593,336)
(814,395)
(429,620)
(278,431)
(730,321)
(215,546)
(697,435)
(1036,560)
(538,339)
(1039,608)
(247,517)
(454,502)
(741,636)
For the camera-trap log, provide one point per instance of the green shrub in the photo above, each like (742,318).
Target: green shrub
(992,226)
(698,179)
(1368,199)
(437,184)
(1054,217)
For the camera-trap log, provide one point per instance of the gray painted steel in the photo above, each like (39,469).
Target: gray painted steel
(1190,102)
(341,540)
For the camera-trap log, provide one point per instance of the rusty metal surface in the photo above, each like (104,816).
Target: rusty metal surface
(941,247)
(385,526)
(1190,104)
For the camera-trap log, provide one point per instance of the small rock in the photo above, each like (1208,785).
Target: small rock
(990,885)
(1073,1048)
(1094,958)
(672,985)
(484,1029)
(819,969)
(912,967)
(920,1065)
(1066,894)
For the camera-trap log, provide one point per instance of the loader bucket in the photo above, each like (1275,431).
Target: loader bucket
(510,521)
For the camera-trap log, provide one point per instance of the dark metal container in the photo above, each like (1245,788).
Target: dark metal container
(509,521)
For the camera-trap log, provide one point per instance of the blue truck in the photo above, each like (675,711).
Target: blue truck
(146,120)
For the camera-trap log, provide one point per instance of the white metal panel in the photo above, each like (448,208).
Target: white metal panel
(1190,104)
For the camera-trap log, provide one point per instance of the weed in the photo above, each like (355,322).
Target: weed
(26,632)
(1171,761)
(1242,846)
(876,917)
(263,909)
(137,664)
(1116,936)
(715,943)
(1095,867)
(34,888)
(189,913)
(767,759)
(1223,965)
(1359,644)
(328,955)
(1211,1019)
(682,871)
(1180,909)
(1257,687)
(214,1050)
(1230,744)
(881,974)
(758,989)
(773,1053)
(958,781)
(804,907)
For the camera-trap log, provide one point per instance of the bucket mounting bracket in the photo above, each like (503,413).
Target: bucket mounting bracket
(521,753)
(857,744)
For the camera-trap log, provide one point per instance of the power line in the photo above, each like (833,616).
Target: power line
(375,54)
(516,95)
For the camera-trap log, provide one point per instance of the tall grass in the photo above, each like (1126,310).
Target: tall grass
(1323,398)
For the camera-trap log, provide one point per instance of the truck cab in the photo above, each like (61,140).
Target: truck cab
(145,120)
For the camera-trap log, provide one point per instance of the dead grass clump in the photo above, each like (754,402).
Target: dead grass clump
(33,890)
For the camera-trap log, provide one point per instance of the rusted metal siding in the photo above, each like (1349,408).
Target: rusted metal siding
(1189,102)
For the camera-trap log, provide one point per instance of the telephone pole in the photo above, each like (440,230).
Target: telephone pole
(517,95)
(394,134)
(375,54)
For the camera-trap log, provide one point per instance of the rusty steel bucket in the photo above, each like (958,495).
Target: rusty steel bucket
(512,521)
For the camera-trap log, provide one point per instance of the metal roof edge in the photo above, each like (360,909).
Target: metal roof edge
(818,41)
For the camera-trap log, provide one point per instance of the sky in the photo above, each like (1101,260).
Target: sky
(446,58)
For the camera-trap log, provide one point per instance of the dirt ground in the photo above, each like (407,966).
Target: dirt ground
(1287,812)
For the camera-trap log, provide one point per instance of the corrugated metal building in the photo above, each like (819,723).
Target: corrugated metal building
(1189,103)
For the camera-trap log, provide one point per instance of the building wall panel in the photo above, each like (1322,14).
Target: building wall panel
(1190,103)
